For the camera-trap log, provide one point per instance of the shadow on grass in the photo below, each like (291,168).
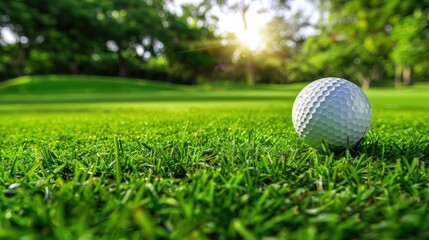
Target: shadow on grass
(387,149)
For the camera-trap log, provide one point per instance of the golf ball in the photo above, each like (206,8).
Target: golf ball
(331,111)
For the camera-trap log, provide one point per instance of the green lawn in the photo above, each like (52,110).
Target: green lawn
(147,161)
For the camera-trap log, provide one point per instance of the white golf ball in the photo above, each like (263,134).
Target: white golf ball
(331,111)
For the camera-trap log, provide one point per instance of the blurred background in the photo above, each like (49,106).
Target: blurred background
(373,43)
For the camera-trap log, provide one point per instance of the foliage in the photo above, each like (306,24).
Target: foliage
(104,37)
(363,40)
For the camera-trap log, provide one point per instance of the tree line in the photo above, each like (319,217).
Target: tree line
(373,42)
(108,37)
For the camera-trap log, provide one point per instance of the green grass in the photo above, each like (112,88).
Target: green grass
(223,163)
(77,84)
(74,89)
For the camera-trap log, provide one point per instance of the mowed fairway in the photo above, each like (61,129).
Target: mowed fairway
(168,162)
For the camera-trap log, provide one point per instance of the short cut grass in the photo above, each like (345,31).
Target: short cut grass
(215,169)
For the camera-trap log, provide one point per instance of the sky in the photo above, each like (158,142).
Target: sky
(7,35)
(231,22)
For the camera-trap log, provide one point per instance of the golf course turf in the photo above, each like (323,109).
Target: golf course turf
(144,160)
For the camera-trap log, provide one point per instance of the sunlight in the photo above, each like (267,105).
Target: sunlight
(250,38)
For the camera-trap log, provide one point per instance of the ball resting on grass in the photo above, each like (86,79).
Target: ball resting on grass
(333,112)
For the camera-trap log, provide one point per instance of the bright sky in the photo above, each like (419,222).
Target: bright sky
(232,22)
(7,35)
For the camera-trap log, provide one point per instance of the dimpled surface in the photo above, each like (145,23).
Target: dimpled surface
(331,110)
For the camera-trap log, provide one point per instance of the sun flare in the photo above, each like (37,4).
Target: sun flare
(250,38)
(249,35)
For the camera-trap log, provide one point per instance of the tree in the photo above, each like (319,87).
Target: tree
(368,39)
(88,36)
(243,7)
(28,20)
(129,25)
(359,43)
(73,37)
(188,44)
(284,37)
(409,35)
(46,28)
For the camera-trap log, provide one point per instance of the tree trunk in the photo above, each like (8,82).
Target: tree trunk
(398,77)
(122,65)
(406,75)
(364,81)
(250,71)
(283,67)
(20,60)
(74,67)
(376,72)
